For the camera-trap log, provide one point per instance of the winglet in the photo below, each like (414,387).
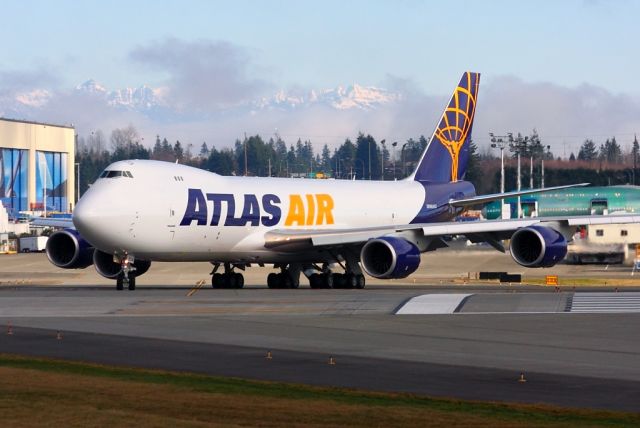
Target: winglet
(447,154)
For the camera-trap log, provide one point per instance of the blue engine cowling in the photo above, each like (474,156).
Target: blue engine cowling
(538,246)
(389,257)
(68,250)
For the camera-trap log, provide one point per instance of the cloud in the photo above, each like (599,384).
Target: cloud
(202,75)
(21,80)
(209,100)
(564,116)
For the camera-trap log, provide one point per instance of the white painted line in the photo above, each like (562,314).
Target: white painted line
(432,304)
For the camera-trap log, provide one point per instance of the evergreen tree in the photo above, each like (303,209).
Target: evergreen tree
(610,151)
(204,150)
(178,151)
(588,151)
(368,153)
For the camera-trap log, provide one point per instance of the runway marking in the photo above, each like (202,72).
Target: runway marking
(606,302)
(433,304)
(197,287)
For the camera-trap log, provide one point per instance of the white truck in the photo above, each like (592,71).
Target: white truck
(29,244)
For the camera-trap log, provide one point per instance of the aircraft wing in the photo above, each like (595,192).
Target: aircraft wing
(482,199)
(490,231)
(64,223)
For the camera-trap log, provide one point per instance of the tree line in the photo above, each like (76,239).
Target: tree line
(361,158)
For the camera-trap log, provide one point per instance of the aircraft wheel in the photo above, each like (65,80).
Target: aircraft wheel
(230,280)
(132,282)
(360,281)
(216,280)
(272,280)
(120,282)
(350,280)
(315,281)
(239,280)
(285,280)
(339,280)
(327,280)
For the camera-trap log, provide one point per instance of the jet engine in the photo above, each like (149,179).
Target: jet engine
(538,246)
(68,250)
(109,269)
(389,257)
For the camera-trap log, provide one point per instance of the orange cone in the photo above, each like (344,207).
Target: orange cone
(332,361)
(9,329)
(59,335)
(522,379)
(269,356)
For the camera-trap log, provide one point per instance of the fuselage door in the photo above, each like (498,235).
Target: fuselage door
(599,207)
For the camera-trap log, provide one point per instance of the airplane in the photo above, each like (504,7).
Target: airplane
(141,211)
(601,200)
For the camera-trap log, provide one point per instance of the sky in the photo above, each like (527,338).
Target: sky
(535,58)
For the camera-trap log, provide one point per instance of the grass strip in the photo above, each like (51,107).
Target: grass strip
(526,415)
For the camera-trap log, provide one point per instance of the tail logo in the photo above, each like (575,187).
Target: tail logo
(457,119)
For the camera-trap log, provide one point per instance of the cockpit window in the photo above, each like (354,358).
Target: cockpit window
(113,174)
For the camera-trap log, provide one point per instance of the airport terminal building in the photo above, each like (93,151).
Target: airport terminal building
(36,167)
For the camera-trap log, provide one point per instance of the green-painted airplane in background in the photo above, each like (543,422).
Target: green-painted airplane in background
(571,202)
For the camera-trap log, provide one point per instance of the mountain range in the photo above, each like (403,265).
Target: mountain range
(154,103)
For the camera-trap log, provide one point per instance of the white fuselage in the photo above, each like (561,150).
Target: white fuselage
(151,213)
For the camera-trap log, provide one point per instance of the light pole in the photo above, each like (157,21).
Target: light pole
(369,159)
(394,145)
(382,143)
(542,168)
(404,172)
(77,182)
(500,141)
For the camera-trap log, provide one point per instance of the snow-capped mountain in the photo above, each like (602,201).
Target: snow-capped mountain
(340,98)
(155,104)
(141,98)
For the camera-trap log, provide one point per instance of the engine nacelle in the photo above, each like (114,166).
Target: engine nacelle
(538,246)
(68,250)
(109,269)
(389,257)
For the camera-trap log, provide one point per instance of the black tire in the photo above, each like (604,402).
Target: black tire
(272,280)
(360,281)
(339,280)
(350,280)
(239,280)
(120,282)
(132,282)
(229,280)
(286,280)
(215,280)
(327,280)
(315,281)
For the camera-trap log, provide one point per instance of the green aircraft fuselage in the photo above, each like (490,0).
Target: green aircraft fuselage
(573,201)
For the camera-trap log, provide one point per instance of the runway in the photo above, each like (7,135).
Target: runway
(478,352)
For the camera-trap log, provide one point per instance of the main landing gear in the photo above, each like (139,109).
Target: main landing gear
(336,280)
(228,279)
(352,278)
(289,277)
(127,276)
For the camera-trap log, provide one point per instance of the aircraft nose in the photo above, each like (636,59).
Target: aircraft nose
(86,215)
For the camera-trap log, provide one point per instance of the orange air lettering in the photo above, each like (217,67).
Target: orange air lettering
(325,209)
(296,211)
(311,209)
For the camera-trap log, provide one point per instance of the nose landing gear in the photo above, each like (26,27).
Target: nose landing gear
(127,274)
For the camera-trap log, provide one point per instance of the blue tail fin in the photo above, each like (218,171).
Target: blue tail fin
(447,154)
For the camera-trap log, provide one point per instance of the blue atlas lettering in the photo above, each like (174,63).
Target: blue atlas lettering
(253,214)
